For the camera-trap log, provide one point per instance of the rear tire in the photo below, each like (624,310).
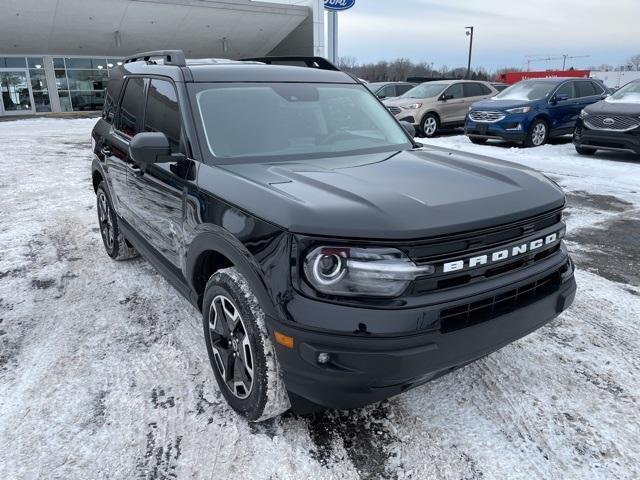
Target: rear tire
(240,350)
(430,125)
(538,134)
(478,141)
(115,244)
(585,150)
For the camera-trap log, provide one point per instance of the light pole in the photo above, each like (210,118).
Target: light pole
(470,35)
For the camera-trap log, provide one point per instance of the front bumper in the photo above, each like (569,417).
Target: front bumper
(606,140)
(365,368)
(513,128)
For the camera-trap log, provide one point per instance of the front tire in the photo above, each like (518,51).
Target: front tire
(538,134)
(115,244)
(240,350)
(430,125)
(585,150)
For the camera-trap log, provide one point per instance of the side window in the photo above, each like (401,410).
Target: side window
(473,90)
(388,91)
(402,89)
(455,91)
(163,112)
(567,89)
(108,108)
(485,90)
(585,89)
(598,87)
(131,107)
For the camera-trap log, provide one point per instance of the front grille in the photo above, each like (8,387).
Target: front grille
(486,116)
(395,110)
(618,123)
(463,247)
(466,315)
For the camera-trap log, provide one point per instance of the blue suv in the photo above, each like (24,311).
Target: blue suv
(531,111)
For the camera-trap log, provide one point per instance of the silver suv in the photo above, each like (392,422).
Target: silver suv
(432,106)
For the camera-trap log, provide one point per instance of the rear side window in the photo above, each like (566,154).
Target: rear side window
(473,90)
(131,107)
(586,89)
(485,90)
(163,112)
(567,89)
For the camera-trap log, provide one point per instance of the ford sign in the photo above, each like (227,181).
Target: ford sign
(337,5)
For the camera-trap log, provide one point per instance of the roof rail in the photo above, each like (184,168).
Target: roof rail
(311,62)
(170,57)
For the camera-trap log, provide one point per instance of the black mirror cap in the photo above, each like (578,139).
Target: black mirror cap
(147,147)
(409,128)
(560,98)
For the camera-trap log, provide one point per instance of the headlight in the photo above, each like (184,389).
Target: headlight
(413,106)
(519,110)
(583,114)
(375,272)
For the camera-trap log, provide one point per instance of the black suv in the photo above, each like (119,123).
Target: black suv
(335,261)
(611,124)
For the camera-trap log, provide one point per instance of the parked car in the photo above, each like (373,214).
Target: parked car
(611,124)
(384,90)
(433,106)
(335,261)
(532,111)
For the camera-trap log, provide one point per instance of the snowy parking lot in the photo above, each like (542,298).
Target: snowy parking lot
(104,374)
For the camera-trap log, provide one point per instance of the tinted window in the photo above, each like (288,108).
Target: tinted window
(402,89)
(473,90)
(567,89)
(131,107)
(598,87)
(388,91)
(455,91)
(485,90)
(163,113)
(586,89)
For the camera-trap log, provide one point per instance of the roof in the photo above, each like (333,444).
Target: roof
(172,64)
(243,72)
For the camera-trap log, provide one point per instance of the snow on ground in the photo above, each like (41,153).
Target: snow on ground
(104,374)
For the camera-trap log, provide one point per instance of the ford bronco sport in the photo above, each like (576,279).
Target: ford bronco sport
(335,261)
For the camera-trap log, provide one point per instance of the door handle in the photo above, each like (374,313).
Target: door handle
(134,169)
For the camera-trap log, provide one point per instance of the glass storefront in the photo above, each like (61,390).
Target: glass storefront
(79,83)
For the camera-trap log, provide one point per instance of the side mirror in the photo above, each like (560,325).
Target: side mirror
(560,97)
(605,95)
(445,96)
(149,147)
(410,129)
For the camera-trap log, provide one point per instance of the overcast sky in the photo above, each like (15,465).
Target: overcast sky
(505,31)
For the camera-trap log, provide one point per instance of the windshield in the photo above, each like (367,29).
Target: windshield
(630,93)
(425,90)
(276,120)
(526,91)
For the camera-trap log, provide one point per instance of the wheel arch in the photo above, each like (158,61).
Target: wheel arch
(216,249)
(96,179)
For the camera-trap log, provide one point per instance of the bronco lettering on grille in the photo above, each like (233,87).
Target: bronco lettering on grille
(500,255)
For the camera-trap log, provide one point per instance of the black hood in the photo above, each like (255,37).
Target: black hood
(613,108)
(405,195)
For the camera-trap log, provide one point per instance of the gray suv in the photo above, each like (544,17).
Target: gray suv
(432,106)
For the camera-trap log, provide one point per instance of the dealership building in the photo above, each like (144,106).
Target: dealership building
(57,55)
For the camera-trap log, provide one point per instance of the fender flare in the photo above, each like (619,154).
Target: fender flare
(216,239)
